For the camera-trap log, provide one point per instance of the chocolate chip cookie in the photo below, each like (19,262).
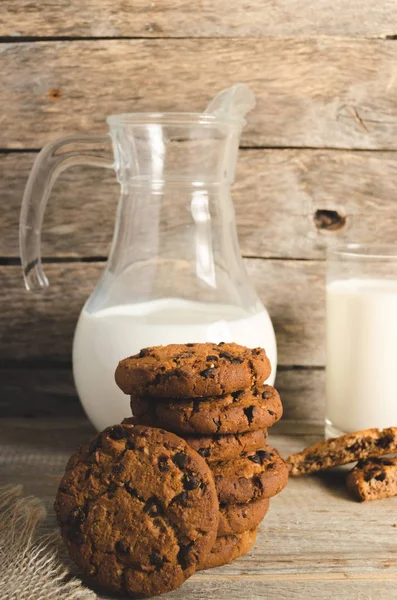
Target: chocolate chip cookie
(236,518)
(192,370)
(228,548)
(138,510)
(258,475)
(342,450)
(246,410)
(221,447)
(373,478)
(227,447)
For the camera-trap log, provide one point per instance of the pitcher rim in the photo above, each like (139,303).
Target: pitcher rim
(173,118)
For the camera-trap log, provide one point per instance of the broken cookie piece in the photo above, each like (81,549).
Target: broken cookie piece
(343,450)
(374,478)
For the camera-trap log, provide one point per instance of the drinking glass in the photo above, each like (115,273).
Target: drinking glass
(361,333)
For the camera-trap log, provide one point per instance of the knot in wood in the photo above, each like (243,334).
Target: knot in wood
(328,220)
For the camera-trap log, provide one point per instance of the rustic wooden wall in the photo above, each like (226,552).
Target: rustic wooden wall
(318,162)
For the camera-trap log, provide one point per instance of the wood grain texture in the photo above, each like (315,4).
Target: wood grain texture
(42,326)
(277,196)
(316,542)
(42,392)
(178,18)
(321,92)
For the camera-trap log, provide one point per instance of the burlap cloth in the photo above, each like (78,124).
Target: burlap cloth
(32,565)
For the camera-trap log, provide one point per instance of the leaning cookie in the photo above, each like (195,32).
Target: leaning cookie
(138,510)
(192,370)
(342,450)
(373,479)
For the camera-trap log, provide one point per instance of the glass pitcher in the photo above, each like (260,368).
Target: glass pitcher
(175,272)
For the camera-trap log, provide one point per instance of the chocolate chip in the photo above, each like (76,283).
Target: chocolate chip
(313,458)
(208,373)
(183,555)
(117,432)
(144,352)
(204,452)
(211,357)
(95,444)
(370,474)
(381,476)
(112,489)
(87,474)
(182,499)
(249,413)
(122,547)
(255,459)
(180,459)
(237,360)
(387,463)
(271,412)
(354,447)
(265,395)
(260,456)
(256,351)
(130,445)
(190,482)
(156,559)
(237,395)
(385,441)
(132,491)
(264,455)
(190,345)
(153,507)
(159,523)
(221,344)
(226,355)
(163,464)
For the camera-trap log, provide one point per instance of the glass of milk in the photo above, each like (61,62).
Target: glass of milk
(361,332)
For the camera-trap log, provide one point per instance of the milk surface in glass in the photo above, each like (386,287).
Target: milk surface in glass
(361,373)
(109,335)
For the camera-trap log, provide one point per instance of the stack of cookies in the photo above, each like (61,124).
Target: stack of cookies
(213,396)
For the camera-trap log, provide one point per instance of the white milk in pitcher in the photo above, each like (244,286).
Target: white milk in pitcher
(107,336)
(361,374)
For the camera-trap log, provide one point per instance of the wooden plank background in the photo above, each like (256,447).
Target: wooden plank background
(322,138)
(321,92)
(181,18)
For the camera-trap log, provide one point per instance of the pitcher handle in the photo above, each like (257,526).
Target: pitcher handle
(53,159)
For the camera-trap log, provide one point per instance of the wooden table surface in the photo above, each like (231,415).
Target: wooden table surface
(316,542)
